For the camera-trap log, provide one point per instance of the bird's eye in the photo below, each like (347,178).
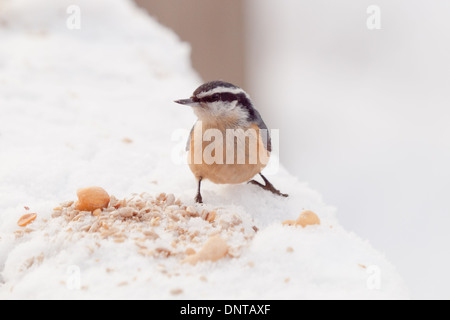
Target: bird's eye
(216,97)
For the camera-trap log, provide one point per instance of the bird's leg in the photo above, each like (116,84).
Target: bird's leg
(198,197)
(268,186)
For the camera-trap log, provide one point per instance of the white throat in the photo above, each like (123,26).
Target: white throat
(222,114)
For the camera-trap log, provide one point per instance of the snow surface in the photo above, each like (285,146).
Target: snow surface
(68,99)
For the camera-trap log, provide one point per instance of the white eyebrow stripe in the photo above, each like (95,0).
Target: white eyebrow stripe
(222,90)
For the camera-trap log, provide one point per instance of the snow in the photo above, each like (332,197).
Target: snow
(376,103)
(68,100)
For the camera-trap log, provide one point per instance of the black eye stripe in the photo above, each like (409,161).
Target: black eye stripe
(230,97)
(225,97)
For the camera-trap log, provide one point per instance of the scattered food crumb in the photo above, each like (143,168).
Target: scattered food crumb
(91,199)
(306,218)
(176,292)
(214,249)
(211,216)
(141,218)
(289,249)
(26,219)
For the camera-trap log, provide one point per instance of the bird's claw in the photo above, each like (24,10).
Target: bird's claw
(268,186)
(198,198)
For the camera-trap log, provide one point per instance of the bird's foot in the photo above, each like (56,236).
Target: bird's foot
(198,198)
(268,186)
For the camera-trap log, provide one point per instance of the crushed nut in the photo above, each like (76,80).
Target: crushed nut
(26,219)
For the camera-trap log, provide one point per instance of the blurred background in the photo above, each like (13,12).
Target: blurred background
(364,115)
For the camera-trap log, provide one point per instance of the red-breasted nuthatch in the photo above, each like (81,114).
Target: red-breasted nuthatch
(227,113)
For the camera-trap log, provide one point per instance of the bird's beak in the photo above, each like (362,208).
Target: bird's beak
(188,102)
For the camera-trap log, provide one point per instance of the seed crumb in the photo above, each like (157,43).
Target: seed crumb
(176,292)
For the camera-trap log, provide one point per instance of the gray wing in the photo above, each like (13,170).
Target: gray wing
(257,119)
(188,143)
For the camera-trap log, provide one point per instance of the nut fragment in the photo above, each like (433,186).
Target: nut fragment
(211,216)
(66,204)
(306,218)
(176,292)
(289,223)
(26,219)
(91,199)
(151,235)
(214,249)
(191,210)
(170,199)
(126,212)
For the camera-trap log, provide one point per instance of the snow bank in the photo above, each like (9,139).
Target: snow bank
(94,107)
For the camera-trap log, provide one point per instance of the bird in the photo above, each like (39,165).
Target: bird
(241,146)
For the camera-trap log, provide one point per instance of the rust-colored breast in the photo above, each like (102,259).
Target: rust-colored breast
(226,157)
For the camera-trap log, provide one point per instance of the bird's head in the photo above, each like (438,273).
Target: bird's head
(221,101)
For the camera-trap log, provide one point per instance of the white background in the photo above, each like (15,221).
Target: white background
(364,117)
